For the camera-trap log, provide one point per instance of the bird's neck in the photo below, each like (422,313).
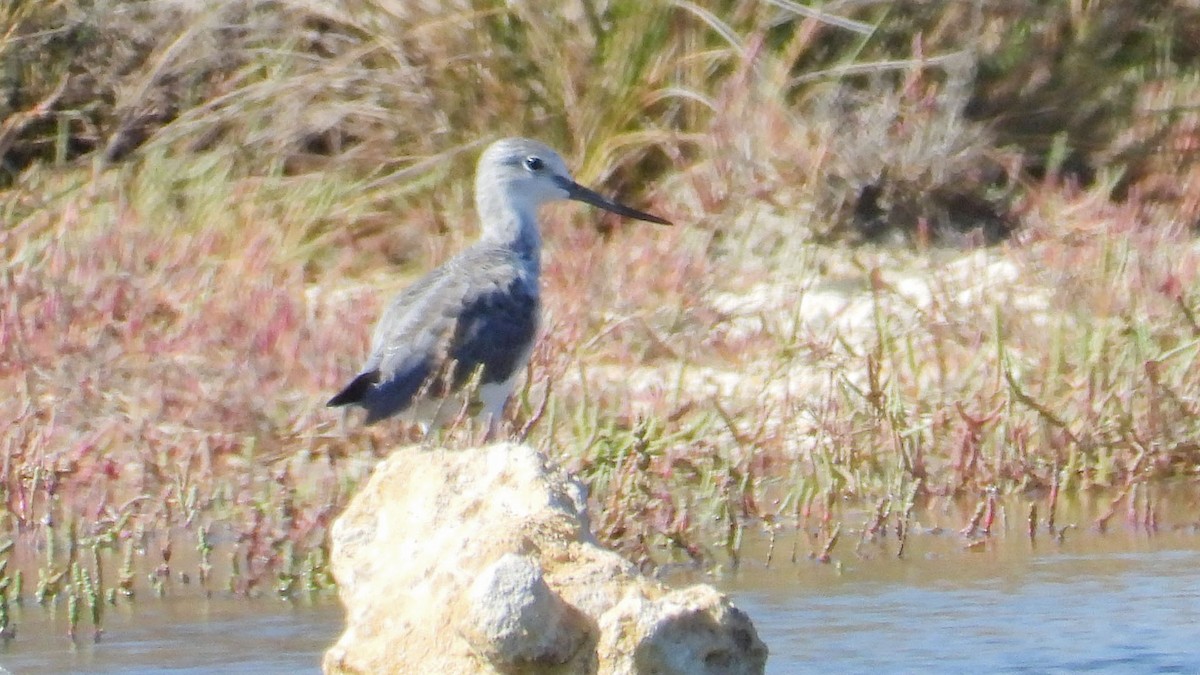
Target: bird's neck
(512,226)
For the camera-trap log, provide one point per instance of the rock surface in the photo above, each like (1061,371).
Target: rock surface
(482,561)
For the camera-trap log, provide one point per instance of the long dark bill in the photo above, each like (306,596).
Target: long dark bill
(579,193)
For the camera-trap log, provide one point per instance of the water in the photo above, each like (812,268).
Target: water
(178,635)
(1093,606)
(1123,603)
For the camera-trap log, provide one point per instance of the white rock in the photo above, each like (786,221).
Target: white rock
(481,561)
(514,618)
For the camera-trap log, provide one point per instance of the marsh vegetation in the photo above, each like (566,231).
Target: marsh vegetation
(928,254)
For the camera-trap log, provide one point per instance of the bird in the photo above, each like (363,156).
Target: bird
(469,325)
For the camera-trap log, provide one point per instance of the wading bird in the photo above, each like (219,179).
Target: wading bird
(474,319)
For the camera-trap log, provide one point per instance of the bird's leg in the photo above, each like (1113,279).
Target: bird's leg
(494,397)
(493,429)
(427,430)
(342,422)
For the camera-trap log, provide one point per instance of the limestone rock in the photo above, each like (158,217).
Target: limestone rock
(514,618)
(481,561)
(693,631)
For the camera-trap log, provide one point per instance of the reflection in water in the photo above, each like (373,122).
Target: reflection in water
(1114,603)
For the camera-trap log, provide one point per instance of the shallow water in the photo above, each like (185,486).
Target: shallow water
(1117,603)
(1114,604)
(178,635)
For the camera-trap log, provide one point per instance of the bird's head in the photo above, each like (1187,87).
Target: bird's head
(527,174)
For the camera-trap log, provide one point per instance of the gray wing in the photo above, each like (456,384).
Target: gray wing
(385,363)
(495,330)
(476,311)
(413,320)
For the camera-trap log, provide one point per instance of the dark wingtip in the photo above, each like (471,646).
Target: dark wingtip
(356,390)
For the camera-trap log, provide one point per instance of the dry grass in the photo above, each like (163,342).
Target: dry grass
(174,313)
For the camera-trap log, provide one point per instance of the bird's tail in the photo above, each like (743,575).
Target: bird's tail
(356,390)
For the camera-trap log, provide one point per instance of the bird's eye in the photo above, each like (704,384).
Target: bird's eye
(534,163)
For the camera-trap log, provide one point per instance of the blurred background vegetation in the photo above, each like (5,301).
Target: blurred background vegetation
(899,114)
